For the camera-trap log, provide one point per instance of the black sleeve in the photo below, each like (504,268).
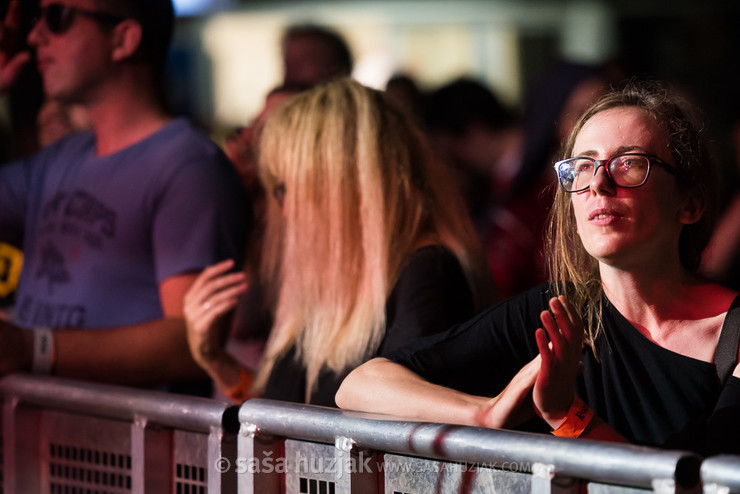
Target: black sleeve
(431,295)
(482,355)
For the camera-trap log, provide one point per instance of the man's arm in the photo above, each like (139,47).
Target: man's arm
(149,353)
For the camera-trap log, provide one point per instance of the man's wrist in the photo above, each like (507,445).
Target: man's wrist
(43,357)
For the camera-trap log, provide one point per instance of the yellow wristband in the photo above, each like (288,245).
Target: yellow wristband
(578,418)
(240,391)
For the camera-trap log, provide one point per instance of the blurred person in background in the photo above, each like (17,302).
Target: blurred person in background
(367,247)
(478,137)
(115,222)
(57,119)
(314,54)
(405,93)
(514,232)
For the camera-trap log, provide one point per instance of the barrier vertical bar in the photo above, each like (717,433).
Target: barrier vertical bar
(255,451)
(151,457)
(356,469)
(545,481)
(22,452)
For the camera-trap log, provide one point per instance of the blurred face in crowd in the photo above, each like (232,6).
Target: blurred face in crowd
(308,60)
(73,45)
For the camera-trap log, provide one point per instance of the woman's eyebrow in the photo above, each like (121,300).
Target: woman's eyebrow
(628,149)
(589,154)
(621,149)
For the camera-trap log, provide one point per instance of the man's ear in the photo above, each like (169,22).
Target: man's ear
(126,39)
(693,209)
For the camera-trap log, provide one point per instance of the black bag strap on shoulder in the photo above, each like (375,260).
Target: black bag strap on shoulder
(725,355)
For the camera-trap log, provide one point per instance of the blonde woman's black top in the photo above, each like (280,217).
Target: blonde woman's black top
(431,295)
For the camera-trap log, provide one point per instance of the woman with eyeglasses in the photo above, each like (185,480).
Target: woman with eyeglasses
(366,248)
(624,343)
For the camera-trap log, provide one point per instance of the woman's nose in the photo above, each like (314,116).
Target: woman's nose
(600,182)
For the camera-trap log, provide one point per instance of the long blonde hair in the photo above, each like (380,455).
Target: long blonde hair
(360,191)
(574,271)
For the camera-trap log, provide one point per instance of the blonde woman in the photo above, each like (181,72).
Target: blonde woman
(366,248)
(631,217)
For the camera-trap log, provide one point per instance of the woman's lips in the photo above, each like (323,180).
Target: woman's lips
(604,216)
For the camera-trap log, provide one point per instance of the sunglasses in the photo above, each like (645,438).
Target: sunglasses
(59,18)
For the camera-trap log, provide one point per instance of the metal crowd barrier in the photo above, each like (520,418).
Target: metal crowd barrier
(721,474)
(316,450)
(62,436)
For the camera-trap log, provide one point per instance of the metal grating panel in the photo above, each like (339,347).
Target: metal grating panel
(313,486)
(190,479)
(310,468)
(410,475)
(190,462)
(85,454)
(77,470)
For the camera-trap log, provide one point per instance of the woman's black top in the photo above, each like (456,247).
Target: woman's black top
(431,295)
(649,394)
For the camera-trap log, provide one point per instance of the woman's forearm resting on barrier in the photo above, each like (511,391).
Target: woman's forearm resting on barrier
(382,386)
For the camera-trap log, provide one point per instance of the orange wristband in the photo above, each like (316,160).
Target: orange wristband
(578,418)
(240,391)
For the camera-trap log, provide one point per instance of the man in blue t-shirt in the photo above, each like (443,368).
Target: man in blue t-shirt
(115,223)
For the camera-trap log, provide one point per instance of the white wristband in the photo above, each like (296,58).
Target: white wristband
(43,351)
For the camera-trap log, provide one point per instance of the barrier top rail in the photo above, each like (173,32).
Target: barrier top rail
(578,458)
(118,402)
(723,470)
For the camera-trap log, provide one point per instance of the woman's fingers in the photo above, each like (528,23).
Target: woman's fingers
(577,334)
(223,284)
(543,345)
(211,281)
(211,272)
(559,342)
(225,298)
(513,405)
(551,327)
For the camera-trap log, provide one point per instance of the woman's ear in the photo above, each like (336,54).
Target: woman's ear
(693,209)
(126,39)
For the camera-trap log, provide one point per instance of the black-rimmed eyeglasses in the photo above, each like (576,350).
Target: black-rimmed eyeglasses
(59,17)
(627,170)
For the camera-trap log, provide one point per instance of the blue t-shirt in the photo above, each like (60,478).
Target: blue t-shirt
(100,233)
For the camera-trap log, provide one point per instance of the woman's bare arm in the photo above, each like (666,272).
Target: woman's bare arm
(382,386)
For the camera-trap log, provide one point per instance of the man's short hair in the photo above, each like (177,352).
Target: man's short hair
(157,18)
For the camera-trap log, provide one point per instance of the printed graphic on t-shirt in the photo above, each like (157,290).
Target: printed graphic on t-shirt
(40,313)
(72,222)
(79,213)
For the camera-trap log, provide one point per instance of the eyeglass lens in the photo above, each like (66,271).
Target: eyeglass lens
(625,171)
(58,17)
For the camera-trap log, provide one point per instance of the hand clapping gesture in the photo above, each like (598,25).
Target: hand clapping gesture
(560,344)
(548,381)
